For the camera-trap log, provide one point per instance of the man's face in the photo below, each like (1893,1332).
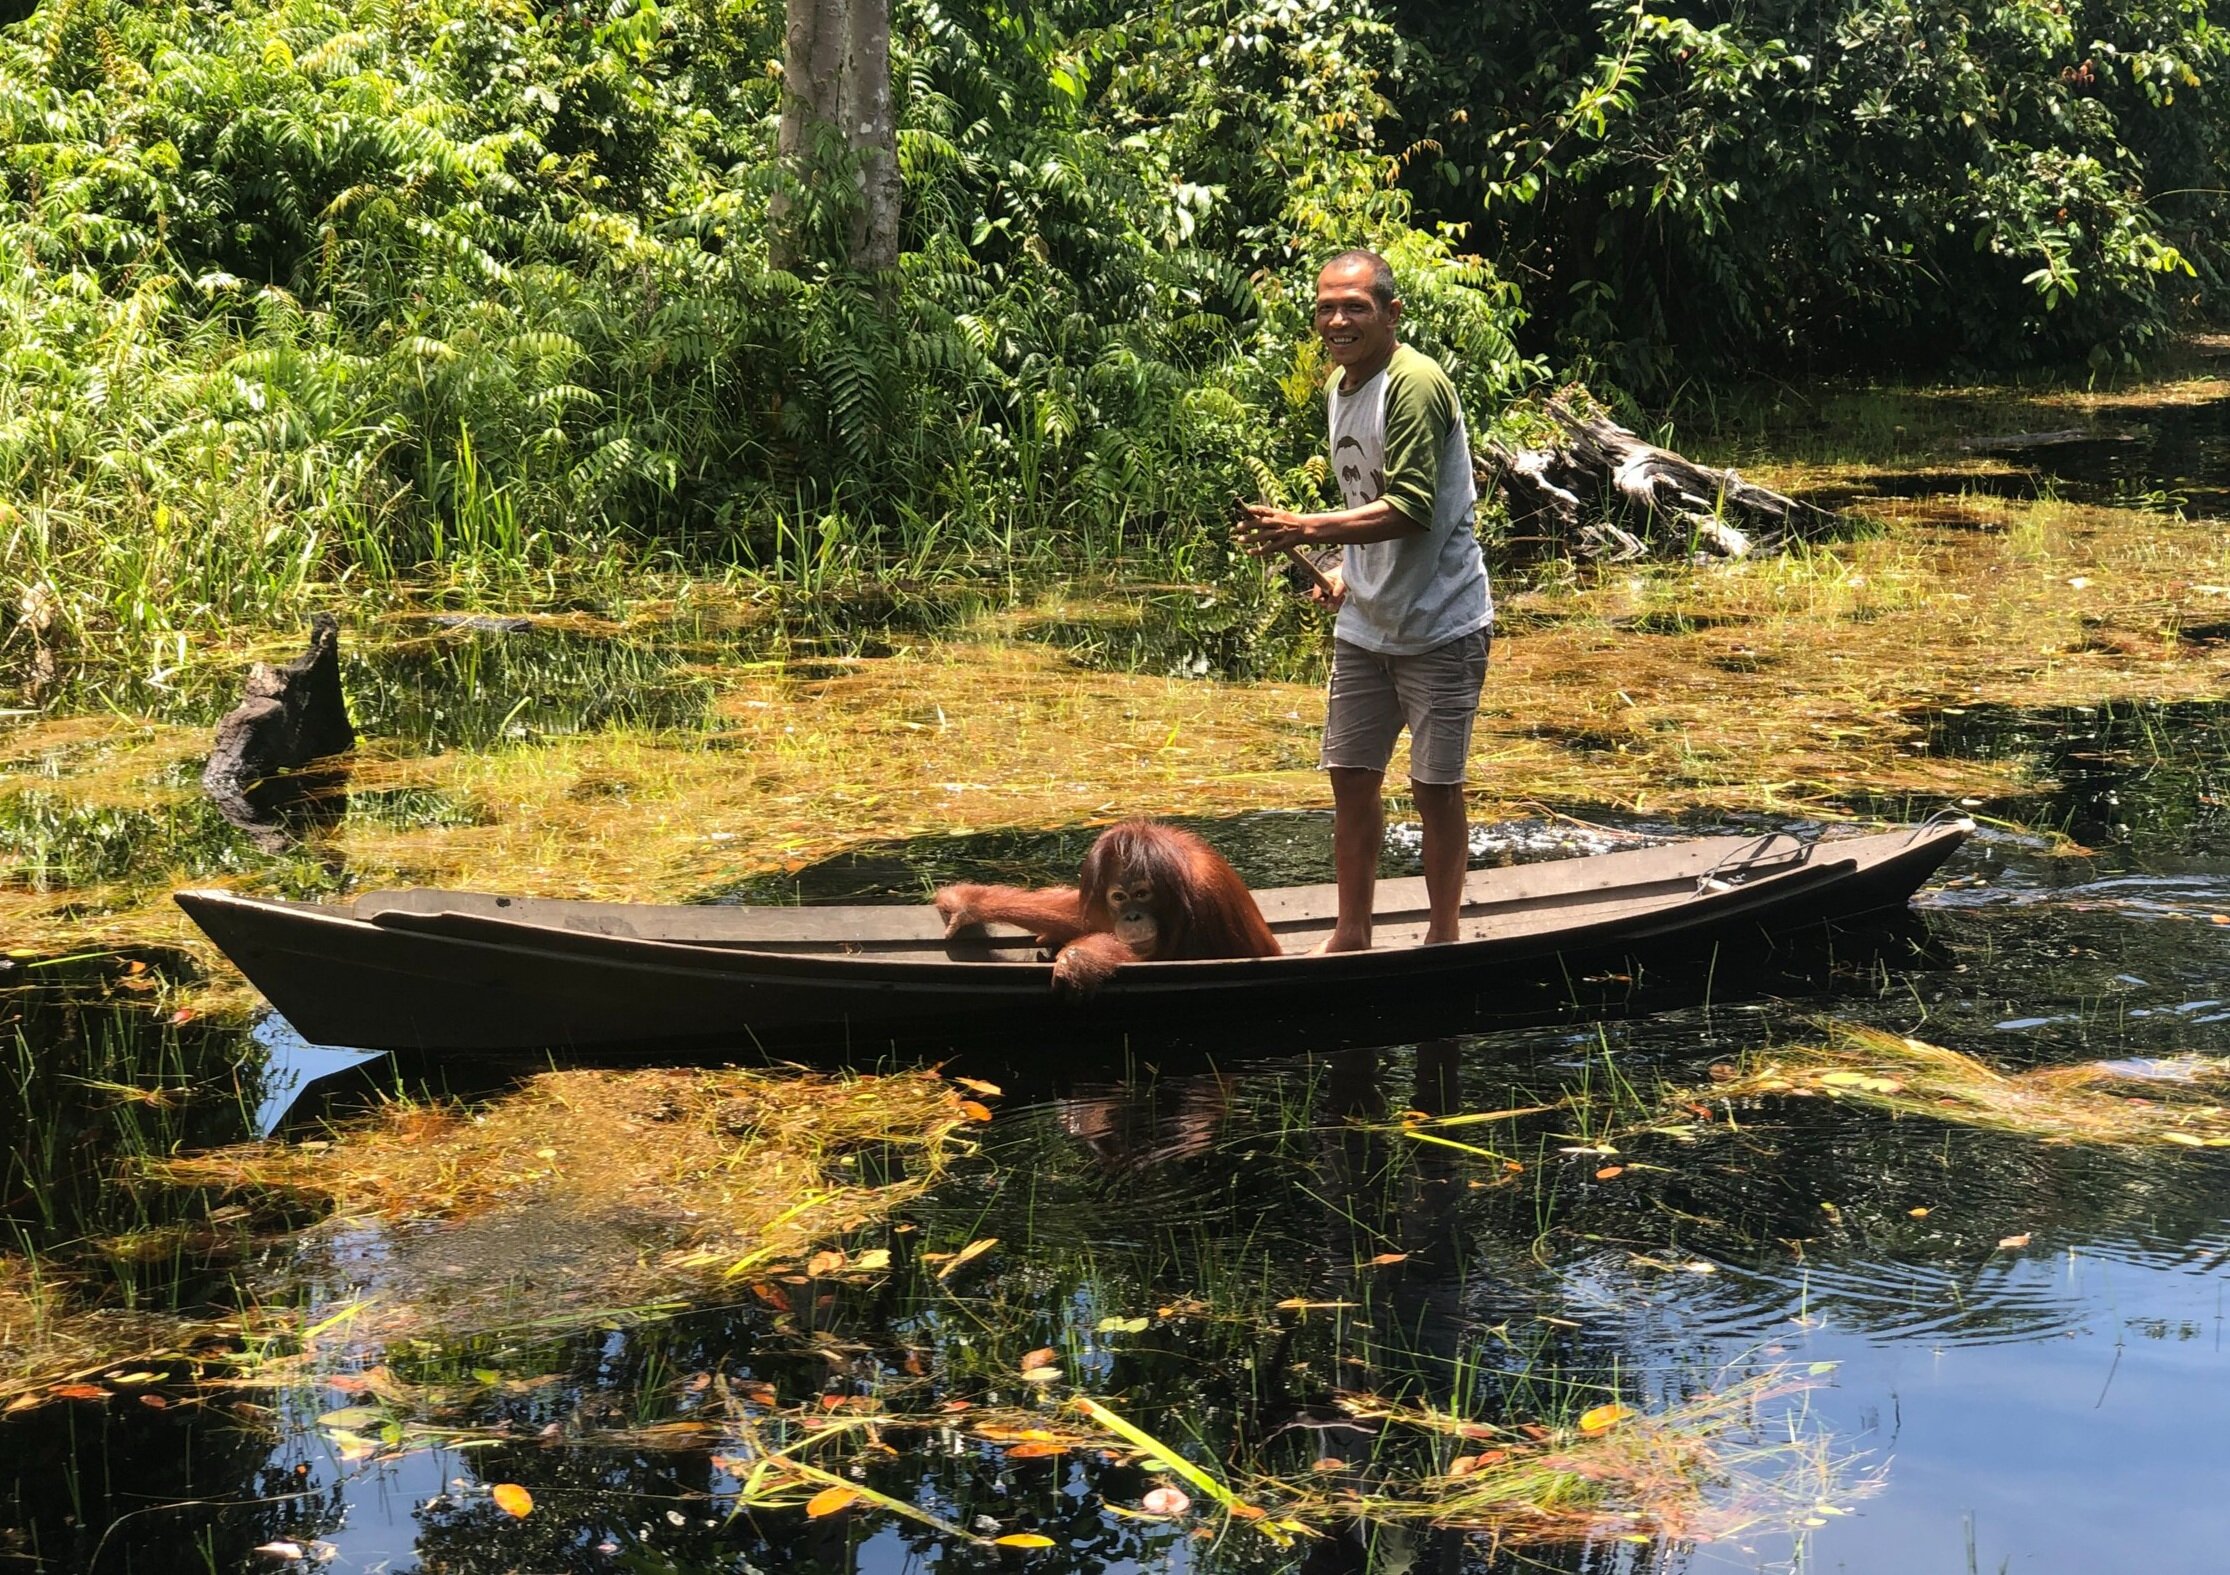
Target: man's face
(1356,330)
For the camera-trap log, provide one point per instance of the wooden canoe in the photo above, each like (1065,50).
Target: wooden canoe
(463,971)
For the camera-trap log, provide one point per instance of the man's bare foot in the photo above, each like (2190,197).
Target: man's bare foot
(1432,939)
(1337,942)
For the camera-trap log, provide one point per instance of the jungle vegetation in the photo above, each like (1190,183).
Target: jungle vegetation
(487,295)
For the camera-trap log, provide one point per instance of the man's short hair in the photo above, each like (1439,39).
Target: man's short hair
(1382,287)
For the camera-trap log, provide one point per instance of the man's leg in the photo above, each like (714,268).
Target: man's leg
(1447,852)
(1362,716)
(1440,698)
(1358,837)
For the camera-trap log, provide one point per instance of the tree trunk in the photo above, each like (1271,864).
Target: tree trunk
(1585,490)
(836,100)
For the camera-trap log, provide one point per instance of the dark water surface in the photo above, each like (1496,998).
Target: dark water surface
(2051,1406)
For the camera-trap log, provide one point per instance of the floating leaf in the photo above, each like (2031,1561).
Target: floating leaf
(353,1446)
(512,1499)
(1918,1214)
(825,1262)
(1042,1375)
(80,1391)
(989,1090)
(1866,1082)
(872,1261)
(1036,1448)
(967,1254)
(2021,1240)
(1033,1360)
(1389,1257)
(352,1416)
(1605,1417)
(1610,1173)
(1022,1539)
(282,1550)
(975,1110)
(1165,1501)
(1122,1325)
(829,1500)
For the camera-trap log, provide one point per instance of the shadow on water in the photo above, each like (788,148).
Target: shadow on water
(2165,458)
(475,689)
(1228,1254)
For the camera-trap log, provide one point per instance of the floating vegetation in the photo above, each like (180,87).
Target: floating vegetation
(53,1346)
(583,1195)
(657,766)
(2175,1102)
(1698,1471)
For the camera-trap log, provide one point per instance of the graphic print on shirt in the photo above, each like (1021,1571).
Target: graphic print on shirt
(1351,474)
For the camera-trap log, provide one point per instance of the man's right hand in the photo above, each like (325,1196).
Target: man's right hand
(1336,595)
(1263,530)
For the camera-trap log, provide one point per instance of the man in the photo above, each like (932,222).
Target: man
(1410,643)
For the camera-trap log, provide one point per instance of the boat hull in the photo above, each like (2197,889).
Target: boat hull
(453,972)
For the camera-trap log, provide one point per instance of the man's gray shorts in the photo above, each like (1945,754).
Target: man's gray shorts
(1434,693)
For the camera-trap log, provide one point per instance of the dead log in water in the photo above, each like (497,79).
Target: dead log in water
(288,716)
(1610,494)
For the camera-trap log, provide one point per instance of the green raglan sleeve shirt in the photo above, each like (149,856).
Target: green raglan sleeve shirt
(1401,438)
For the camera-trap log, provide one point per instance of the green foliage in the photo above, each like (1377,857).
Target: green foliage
(1710,185)
(342,290)
(337,293)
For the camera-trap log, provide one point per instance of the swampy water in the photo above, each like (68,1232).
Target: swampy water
(1972,1349)
(1224,1248)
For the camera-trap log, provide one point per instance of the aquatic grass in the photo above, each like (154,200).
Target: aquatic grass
(57,1344)
(580,1196)
(1705,1469)
(2179,1102)
(1738,1456)
(1796,685)
(1734,1458)
(1876,424)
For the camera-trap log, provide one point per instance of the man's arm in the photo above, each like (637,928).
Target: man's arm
(1263,530)
(1420,412)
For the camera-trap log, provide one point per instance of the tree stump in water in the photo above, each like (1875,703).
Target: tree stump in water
(288,716)
(1598,479)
